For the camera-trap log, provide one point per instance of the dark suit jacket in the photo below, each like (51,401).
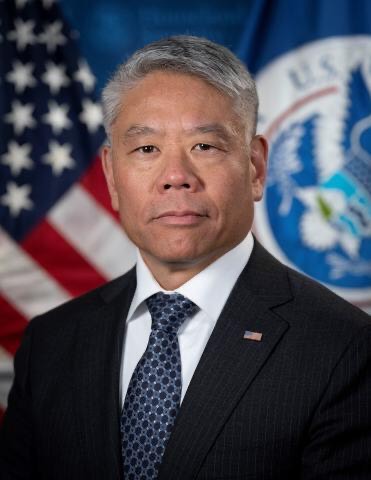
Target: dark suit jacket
(295,405)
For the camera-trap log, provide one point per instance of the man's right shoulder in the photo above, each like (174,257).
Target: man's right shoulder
(84,305)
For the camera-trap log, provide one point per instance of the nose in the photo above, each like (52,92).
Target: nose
(177,174)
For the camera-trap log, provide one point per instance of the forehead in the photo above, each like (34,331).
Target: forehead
(177,97)
(164,82)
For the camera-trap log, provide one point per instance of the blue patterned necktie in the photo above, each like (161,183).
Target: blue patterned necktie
(153,397)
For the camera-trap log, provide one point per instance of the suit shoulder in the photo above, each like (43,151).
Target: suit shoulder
(308,304)
(70,311)
(321,303)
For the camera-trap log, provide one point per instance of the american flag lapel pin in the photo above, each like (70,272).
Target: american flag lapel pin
(255,336)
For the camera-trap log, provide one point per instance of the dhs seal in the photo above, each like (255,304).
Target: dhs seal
(316,213)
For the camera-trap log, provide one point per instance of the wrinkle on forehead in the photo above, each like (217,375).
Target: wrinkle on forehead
(158,89)
(221,131)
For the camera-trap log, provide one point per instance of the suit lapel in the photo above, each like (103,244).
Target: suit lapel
(98,358)
(229,363)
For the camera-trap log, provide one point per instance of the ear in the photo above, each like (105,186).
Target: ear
(258,162)
(107,164)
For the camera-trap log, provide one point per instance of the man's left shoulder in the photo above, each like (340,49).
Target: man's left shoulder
(319,301)
(321,321)
(325,323)
(308,304)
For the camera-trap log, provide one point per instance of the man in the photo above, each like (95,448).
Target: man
(248,370)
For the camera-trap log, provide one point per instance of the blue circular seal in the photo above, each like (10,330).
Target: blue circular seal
(316,113)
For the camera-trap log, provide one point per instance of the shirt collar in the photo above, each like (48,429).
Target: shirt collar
(209,289)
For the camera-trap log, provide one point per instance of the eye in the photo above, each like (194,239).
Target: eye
(146,149)
(203,147)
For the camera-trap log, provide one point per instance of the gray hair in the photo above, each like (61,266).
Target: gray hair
(189,55)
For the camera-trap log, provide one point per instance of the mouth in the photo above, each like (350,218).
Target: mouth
(183,217)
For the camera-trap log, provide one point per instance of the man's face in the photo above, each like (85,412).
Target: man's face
(182,171)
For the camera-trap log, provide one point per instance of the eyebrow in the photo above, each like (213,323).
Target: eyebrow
(143,130)
(138,130)
(216,128)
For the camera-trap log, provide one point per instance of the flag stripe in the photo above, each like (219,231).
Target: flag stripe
(92,232)
(51,124)
(94,182)
(60,261)
(24,284)
(6,362)
(6,375)
(12,324)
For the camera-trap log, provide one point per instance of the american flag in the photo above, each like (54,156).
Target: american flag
(58,236)
(256,336)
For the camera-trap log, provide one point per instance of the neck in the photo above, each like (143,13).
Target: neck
(171,275)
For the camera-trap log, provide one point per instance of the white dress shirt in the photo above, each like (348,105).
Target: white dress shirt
(209,290)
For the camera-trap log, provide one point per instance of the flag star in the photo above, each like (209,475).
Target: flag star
(21,76)
(57,117)
(55,77)
(17,198)
(17,157)
(23,33)
(59,157)
(84,75)
(52,36)
(91,115)
(20,116)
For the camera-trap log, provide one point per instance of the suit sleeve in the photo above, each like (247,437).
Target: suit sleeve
(339,445)
(16,434)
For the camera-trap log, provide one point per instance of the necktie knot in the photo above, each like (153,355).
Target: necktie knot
(168,311)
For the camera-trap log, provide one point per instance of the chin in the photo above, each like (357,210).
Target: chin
(177,252)
(183,256)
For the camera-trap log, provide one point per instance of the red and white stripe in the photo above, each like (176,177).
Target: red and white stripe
(78,246)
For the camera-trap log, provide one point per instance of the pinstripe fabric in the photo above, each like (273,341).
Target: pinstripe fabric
(294,406)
